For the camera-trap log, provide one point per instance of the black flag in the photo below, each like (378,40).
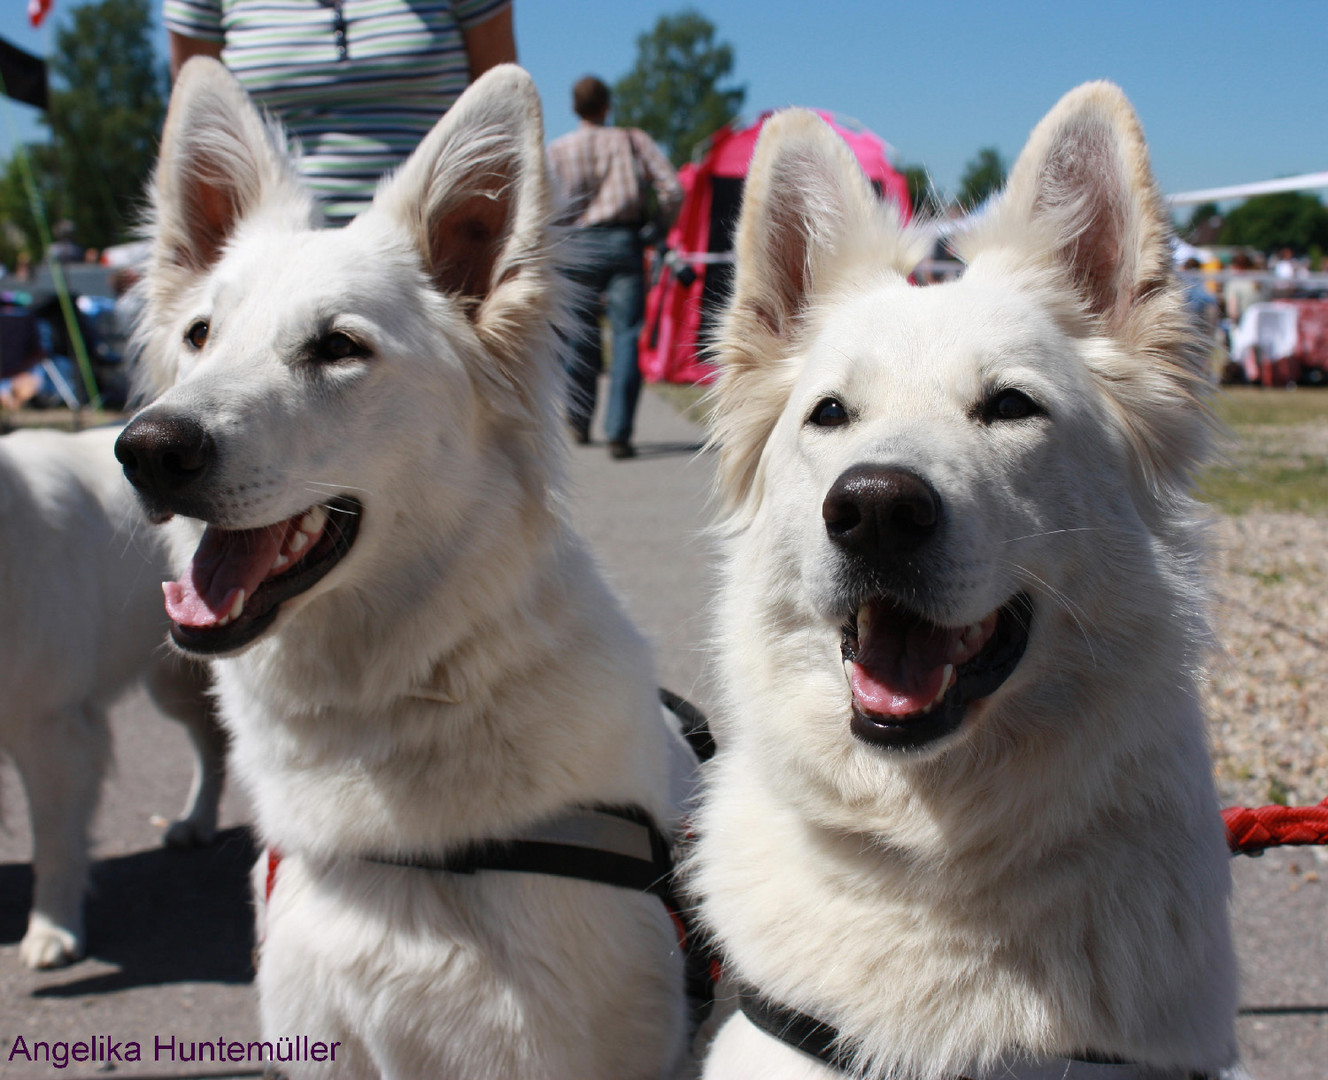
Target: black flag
(24,75)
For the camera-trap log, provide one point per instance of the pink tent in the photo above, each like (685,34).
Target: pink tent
(691,284)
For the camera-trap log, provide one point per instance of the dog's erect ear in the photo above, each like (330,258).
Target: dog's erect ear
(1083,189)
(809,219)
(476,197)
(805,197)
(220,162)
(1083,204)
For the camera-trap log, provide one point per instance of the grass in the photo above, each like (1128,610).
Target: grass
(1272,464)
(61,419)
(1260,485)
(1240,405)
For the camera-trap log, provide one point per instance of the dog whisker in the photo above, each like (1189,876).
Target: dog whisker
(1071,609)
(334,487)
(322,492)
(1051,532)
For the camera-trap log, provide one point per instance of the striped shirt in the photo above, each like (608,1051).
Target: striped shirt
(358,82)
(602,172)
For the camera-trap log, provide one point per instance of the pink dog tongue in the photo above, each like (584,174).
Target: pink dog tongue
(900,663)
(225,562)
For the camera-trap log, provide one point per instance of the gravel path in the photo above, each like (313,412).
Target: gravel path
(1268,694)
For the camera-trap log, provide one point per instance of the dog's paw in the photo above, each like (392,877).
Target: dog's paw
(189,833)
(47,945)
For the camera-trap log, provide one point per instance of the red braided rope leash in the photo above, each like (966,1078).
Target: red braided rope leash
(1250,830)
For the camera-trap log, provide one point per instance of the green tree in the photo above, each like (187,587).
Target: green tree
(983,176)
(673,91)
(1287,219)
(107,104)
(923,195)
(19,232)
(1202,218)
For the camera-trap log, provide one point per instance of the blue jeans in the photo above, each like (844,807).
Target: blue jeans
(608,267)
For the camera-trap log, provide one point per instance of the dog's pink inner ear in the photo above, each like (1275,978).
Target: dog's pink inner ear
(210,215)
(1083,183)
(464,243)
(786,275)
(788,257)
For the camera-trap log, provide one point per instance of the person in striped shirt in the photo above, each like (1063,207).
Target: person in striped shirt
(358,82)
(605,174)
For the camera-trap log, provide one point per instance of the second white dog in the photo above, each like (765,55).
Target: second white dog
(962,821)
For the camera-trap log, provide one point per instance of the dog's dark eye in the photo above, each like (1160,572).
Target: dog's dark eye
(197,334)
(1010,405)
(338,346)
(828,413)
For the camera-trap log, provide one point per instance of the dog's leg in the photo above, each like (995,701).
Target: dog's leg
(62,758)
(180,689)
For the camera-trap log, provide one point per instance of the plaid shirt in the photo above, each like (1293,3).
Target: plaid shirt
(602,172)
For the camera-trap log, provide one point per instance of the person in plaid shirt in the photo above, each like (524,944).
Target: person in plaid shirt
(604,173)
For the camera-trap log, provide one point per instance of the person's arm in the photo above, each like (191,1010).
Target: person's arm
(490,43)
(182,48)
(662,177)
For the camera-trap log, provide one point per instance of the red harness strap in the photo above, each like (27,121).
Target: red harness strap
(273,861)
(1251,830)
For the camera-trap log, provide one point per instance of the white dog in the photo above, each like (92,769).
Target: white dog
(82,620)
(419,662)
(962,821)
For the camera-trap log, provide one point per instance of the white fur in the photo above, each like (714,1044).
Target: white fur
(1052,877)
(464,671)
(80,591)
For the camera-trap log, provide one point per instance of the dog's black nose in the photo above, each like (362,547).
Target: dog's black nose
(164,455)
(874,512)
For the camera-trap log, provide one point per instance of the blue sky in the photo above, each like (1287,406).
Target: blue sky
(1228,91)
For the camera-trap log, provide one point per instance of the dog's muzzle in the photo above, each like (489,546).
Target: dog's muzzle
(238,578)
(911,679)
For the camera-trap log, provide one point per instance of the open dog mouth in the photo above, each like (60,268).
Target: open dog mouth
(912,680)
(240,577)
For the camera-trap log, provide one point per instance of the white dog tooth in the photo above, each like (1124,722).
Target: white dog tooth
(280,561)
(313,522)
(970,641)
(864,620)
(947,680)
(236,607)
(298,542)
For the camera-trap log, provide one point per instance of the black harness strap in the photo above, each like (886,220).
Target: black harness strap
(643,863)
(618,846)
(695,727)
(824,1043)
(797,1029)
(608,845)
